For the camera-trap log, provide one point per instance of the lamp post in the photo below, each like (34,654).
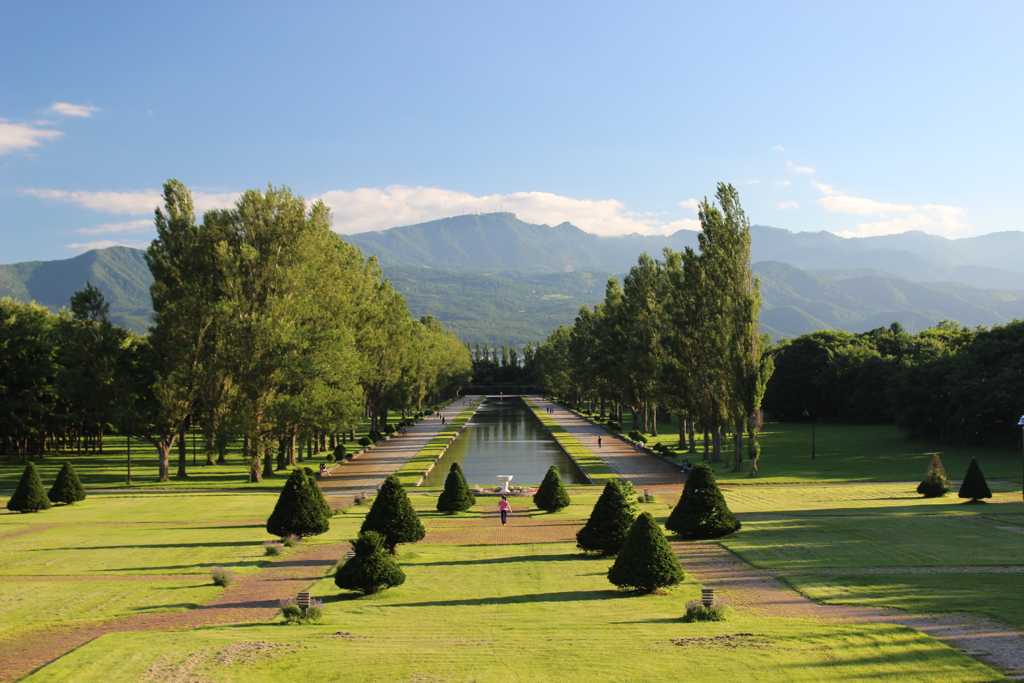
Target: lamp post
(806,414)
(1020,423)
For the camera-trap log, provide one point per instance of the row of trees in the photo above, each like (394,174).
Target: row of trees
(268,326)
(680,334)
(946,383)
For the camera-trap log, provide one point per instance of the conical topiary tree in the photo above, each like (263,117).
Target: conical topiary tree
(301,509)
(456,496)
(30,495)
(392,516)
(935,483)
(372,569)
(551,495)
(609,523)
(67,488)
(318,493)
(645,561)
(974,487)
(702,511)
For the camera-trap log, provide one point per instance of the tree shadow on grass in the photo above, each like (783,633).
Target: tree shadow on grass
(224,544)
(166,608)
(504,560)
(142,571)
(564,596)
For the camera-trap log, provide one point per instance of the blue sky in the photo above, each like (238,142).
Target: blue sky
(859,118)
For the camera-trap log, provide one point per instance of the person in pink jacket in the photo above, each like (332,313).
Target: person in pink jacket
(504,508)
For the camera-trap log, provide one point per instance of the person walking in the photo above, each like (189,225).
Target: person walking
(504,508)
(599,442)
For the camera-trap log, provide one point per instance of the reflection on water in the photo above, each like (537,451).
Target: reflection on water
(504,437)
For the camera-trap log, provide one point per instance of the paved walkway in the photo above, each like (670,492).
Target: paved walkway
(367,470)
(643,469)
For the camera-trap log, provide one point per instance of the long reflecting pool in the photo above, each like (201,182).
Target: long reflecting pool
(504,437)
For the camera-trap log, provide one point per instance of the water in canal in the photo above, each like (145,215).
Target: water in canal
(504,437)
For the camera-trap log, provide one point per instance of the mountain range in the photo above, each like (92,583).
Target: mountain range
(494,278)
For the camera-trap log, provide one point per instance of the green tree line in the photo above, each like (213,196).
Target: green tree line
(267,326)
(947,383)
(680,334)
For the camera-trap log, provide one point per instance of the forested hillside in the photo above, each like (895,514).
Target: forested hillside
(495,279)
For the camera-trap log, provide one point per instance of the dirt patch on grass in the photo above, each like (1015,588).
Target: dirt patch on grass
(729,640)
(194,668)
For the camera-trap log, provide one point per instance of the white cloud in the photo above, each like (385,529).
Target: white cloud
(135,202)
(788,205)
(366,209)
(129,226)
(750,182)
(103,244)
(68,109)
(826,189)
(939,219)
(783,183)
(799,169)
(15,136)
(778,148)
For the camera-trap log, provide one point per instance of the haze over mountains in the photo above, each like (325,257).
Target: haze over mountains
(493,278)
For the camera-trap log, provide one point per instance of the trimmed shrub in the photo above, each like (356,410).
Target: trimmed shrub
(30,495)
(291,611)
(935,483)
(329,457)
(371,569)
(273,548)
(551,496)
(301,509)
(392,516)
(222,577)
(605,531)
(364,441)
(702,511)
(67,488)
(315,611)
(375,436)
(645,561)
(390,429)
(340,452)
(614,426)
(696,611)
(456,496)
(974,486)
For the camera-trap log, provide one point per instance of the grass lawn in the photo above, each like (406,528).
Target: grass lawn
(800,544)
(794,530)
(995,595)
(867,499)
(116,554)
(516,613)
(846,453)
